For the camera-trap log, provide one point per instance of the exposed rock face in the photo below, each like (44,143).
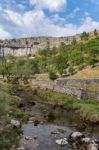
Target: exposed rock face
(26,46)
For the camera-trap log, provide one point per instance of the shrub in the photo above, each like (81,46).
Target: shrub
(71,70)
(52,76)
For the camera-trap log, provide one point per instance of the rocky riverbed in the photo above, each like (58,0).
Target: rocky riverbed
(49,124)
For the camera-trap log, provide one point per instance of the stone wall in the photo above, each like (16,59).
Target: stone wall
(81,85)
(66,82)
(66,88)
(61,89)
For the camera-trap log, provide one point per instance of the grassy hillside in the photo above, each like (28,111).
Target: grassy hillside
(67,59)
(87,73)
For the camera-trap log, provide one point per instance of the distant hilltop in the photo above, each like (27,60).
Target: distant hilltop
(30,46)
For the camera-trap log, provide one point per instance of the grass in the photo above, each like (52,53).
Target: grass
(86,108)
(87,73)
(9,110)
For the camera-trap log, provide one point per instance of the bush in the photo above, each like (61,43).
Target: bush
(71,70)
(52,76)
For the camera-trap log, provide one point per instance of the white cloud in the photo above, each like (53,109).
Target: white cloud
(88,25)
(4,34)
(36,23)
(73,14)
(52,5)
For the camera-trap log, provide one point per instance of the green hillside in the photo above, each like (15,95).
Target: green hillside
(66,59)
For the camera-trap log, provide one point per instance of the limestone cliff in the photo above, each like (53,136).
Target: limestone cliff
(26,46)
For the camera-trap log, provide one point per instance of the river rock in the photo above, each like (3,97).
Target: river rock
(86,140)
(21,148)
(15,123)
(74,136)
(36,122)
(54,132)
(62,142)
(93,146)
(35,137)
(28,138)
(78,141)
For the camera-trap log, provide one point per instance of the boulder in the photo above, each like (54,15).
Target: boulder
(62,142)
(21,148)
(93,146)
(75,136)
(86,140)
(77,140)
(15,123)
(36,122)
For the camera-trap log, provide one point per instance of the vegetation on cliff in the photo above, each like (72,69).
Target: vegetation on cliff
(67,59)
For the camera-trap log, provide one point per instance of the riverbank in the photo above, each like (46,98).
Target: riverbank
(10,110)
(20,102)
(89,110)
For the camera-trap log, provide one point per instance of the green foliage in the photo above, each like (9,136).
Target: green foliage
(87,109)
(53,59)
(52,76)
(71,70)
(60,62)
(84,36)
(9,109)
(74,41)
(95,32)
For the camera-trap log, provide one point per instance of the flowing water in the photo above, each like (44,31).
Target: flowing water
(51,127)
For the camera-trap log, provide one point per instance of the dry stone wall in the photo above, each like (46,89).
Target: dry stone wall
(63,86)
(61,89)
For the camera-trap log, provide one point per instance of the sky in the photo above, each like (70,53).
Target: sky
(29,18)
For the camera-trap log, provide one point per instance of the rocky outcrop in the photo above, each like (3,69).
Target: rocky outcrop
(30,46)
(27,46)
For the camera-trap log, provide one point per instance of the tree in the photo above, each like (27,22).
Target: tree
(62,47)
(95,32)
(84,36)
(61,62)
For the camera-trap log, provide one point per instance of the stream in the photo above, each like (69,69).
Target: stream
(47,123)
(49,128)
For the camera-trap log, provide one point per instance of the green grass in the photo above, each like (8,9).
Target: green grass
(9,110)
(86,108)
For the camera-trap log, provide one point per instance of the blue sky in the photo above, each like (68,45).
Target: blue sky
(27,18)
